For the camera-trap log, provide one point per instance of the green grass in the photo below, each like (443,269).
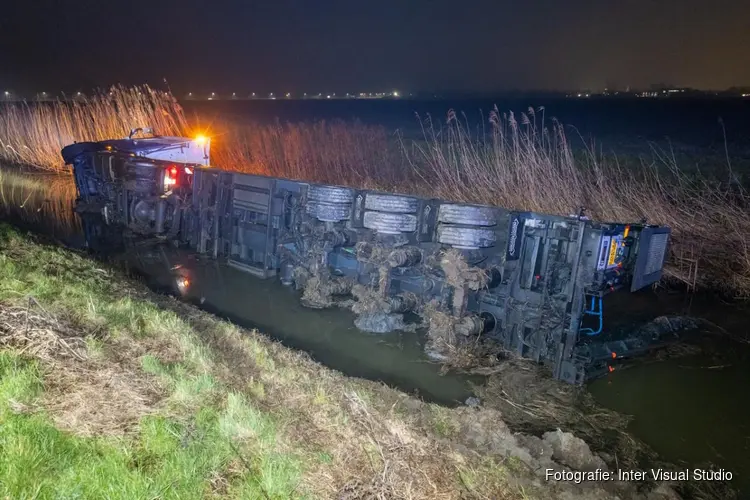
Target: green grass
(208,440)
(237,415)
(167,458)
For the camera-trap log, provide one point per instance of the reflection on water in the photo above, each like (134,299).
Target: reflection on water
(40,202)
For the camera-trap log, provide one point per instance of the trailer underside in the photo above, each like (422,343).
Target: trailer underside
(533,284)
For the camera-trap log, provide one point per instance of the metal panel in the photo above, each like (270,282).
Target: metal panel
(651,253)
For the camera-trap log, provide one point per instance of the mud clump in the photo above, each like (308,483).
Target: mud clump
(320,291)
(382,323)
(380,315)
(458,272)
(572,451)
(447,344)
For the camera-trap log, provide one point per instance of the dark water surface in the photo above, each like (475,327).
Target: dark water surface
(692,409)
(329,335)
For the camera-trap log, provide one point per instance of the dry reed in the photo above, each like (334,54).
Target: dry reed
(34,134)
(517,161)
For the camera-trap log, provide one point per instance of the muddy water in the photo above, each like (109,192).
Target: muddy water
(329,335)
(691,410)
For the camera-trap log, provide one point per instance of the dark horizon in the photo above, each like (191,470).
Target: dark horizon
(481,47)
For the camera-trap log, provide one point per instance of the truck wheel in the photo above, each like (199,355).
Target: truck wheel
(470,215)
(391,203)
(329,203)
(330,194)
(328,212)
(466,237)
(390,223)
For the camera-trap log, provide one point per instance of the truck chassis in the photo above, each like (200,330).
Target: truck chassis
(533,284)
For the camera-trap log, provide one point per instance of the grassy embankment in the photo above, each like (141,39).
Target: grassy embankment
(519,161)
(109,391)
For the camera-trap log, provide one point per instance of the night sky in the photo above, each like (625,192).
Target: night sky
(356,45)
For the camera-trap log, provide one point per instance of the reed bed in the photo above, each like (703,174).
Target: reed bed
(34,134)
(522,161)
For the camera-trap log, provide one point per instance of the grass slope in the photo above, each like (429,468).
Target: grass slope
(110,391)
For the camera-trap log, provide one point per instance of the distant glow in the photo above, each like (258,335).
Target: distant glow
(7,93)
(328,97)
(395,93)
(213,93)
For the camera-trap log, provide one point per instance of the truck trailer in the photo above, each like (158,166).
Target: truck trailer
(533,284)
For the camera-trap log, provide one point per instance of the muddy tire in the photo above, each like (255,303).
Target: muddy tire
(469,215)
(466,237)
(329,203)
(330,194)
(391,203)
(390,223)
(328,212)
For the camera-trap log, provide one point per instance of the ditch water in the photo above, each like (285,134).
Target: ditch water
(690,409)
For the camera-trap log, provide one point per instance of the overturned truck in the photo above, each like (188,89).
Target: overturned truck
(533,284)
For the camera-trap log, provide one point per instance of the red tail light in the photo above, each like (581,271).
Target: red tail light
(170,178)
